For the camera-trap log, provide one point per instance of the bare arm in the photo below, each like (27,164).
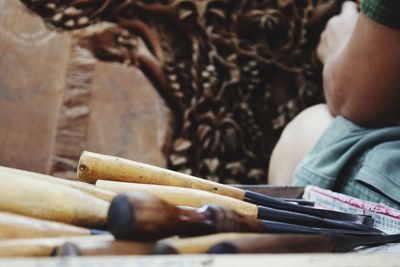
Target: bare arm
(362,77)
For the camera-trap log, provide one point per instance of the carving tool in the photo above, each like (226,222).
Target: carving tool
(194,245)
(85,187)
(51,201)
(103,247)
(42,247)
(196,198)
(298,201)
(16,226)
(93,166)
(300,243)
(202,244)
(144,217)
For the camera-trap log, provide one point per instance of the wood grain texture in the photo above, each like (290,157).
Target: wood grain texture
(44,106)
(85,187)
(181,196)
(33,64)
(74,113)
(194,245)
(93,166)
(127,117)
(16,226)
(103,248)
(50,201)
(143,217)
(41,247)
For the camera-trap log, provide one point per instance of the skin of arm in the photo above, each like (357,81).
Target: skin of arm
(362,72)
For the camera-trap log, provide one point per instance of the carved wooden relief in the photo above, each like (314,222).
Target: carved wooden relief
(233,72)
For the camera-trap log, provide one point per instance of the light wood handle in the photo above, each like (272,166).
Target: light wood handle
(104,248)
(17,226)
(41,247)
(85,187)
(93,166)
(181,196)
(50,201)
(194,245)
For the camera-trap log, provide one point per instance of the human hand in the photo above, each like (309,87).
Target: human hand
(338,31)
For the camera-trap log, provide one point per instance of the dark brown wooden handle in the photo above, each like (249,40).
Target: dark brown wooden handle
(141,216)
(194,245)
(276,243)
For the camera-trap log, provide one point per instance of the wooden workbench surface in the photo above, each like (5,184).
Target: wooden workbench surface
(282,260)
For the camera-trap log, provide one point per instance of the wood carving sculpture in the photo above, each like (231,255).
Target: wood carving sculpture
(233,72)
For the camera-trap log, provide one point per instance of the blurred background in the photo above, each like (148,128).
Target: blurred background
(204,87)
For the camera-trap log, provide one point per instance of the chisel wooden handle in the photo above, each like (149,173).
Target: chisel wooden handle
(85,187)
(144,217)
(202,244)
(196,198)
(17,226)
(141,216)
(41,247)
(179,196)
(94,166)
(50,201)
(103,248)
(194,245)
(275,243)
(297,243)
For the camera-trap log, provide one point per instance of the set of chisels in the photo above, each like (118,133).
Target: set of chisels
(122,207)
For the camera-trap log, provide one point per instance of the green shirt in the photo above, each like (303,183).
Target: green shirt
(386,12)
